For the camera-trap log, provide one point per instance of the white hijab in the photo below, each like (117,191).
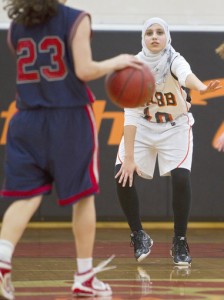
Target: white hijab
(160,62)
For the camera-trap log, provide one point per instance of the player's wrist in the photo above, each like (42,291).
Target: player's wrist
(129,157)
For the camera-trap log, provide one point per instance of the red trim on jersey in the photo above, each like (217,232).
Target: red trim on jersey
(93,167)
(91,96)
(31,193)
(93,190)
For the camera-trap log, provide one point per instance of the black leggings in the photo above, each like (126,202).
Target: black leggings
(181,187)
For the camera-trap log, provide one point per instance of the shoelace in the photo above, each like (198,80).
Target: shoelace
(137,241)
(183,247)
(101,267)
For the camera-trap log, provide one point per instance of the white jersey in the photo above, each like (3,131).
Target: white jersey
(169,100)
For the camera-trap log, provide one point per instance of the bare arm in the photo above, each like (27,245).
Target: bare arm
(194,83)
(85,67)
(220,143)
(128,167)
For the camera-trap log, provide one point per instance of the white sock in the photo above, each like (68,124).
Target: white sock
(6,251)
(84,264)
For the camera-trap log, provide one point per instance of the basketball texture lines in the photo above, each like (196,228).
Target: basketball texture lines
(130,87)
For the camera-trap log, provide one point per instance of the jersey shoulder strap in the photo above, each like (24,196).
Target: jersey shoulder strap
(174,76)
(183,87)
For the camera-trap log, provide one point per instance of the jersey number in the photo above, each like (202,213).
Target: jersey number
(28,51)
(166,99)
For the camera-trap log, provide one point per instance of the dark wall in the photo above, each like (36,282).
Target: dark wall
(208,164)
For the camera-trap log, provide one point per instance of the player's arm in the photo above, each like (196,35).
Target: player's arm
(88,69)
(220,143)
(193,82)
(182,70)
(128,167)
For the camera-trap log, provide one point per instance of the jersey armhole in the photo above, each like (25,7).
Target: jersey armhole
(188,99)
(9,39)
(174,76)
(76,24)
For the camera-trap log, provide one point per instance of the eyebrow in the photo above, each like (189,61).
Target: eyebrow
(150,29)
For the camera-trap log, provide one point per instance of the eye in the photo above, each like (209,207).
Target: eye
(148,33)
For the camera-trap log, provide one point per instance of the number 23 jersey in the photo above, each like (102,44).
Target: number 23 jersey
(45,68)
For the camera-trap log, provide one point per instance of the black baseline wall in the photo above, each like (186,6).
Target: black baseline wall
(208,163)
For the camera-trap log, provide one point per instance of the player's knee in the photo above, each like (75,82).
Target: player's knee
(181,177)
(119,185)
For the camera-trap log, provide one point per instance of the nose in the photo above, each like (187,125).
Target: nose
(154,36)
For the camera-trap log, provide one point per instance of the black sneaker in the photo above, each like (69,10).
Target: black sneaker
(180,251)
(142,244)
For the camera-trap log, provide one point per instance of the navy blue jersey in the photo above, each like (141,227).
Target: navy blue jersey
(45,68)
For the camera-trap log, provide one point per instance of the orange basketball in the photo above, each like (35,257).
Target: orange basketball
(130,87)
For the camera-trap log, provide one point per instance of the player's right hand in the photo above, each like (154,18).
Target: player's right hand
(126,173)
(127,60)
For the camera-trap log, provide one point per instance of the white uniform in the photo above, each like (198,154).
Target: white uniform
(164,126)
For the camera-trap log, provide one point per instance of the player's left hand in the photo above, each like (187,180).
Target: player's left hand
(211,87)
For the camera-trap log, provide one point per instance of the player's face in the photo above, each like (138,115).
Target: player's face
(155,38)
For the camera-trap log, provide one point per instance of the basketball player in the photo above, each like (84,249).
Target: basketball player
(220,141)
(52,138)
(220,50)
(163,129)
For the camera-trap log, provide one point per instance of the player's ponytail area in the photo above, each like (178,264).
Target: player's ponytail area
(44,263)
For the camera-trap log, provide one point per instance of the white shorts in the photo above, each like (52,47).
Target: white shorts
(172,142)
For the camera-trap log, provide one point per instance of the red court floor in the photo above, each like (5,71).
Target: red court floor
(44,265)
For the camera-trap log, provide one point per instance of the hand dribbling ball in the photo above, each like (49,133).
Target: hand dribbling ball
(130,87)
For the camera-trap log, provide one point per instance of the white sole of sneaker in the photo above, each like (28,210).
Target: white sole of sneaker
(82,291)
(182,264)
(143,256)
(4,295)
(85,296)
